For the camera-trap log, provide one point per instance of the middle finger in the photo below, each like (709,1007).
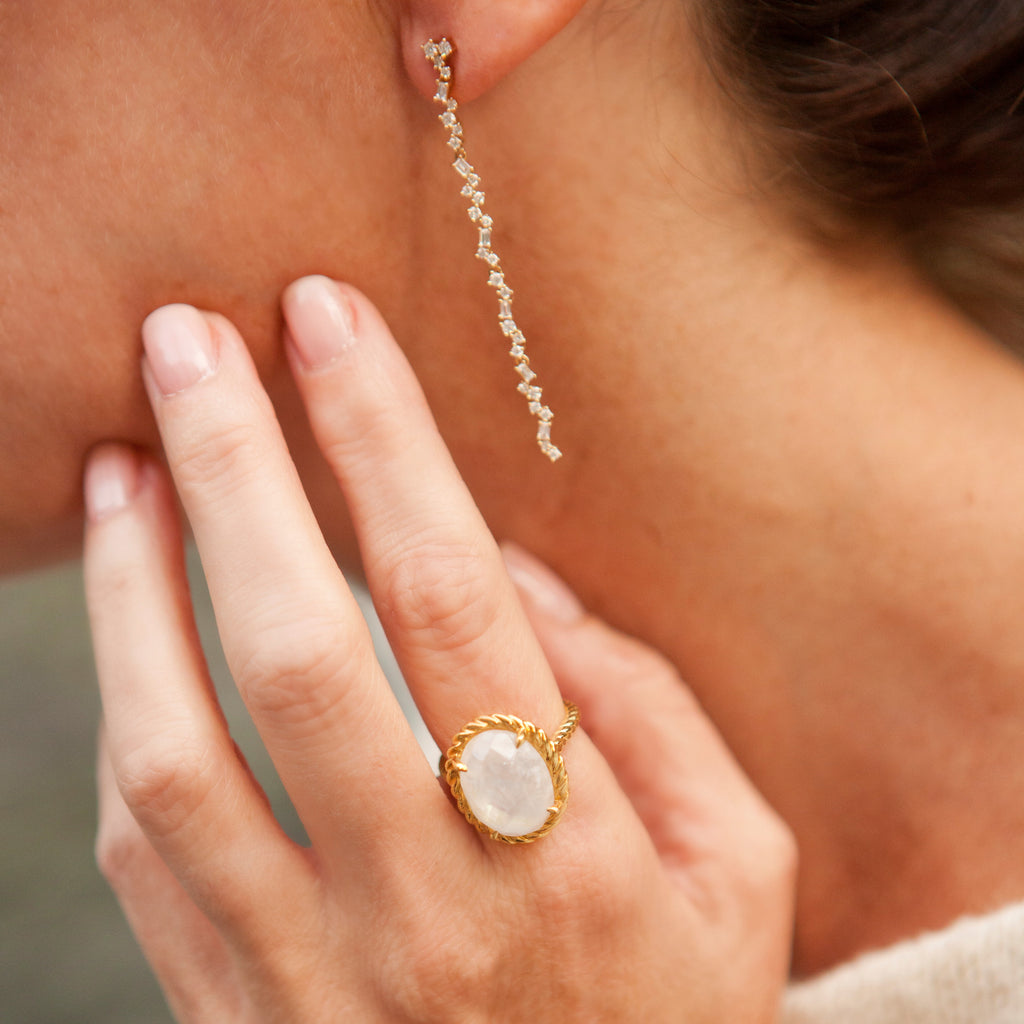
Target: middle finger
(436,574)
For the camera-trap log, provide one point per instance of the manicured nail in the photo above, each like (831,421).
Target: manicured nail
(179,347)
(540,586)
(111,480)
(319,321)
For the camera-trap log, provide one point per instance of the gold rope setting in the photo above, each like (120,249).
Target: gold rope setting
(526,732)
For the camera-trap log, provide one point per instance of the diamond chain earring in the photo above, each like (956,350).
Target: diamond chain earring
(438,54)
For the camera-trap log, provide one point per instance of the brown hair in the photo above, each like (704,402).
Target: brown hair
(908,114)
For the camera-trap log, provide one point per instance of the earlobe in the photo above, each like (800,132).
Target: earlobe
(492,37)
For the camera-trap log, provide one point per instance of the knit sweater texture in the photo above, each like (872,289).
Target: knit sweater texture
(970,973)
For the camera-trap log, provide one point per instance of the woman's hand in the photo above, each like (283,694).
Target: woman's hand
(663,894)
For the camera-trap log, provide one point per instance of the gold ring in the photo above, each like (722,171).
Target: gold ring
(507,777)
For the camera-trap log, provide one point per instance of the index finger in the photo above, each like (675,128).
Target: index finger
(293,634)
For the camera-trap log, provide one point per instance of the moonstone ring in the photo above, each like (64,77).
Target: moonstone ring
(507,777)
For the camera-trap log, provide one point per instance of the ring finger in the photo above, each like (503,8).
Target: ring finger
(167,740)
(188,955)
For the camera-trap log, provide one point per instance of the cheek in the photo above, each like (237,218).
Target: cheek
(69,371)
(213,186)
(70,378)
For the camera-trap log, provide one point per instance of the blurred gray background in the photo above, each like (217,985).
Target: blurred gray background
(66,954)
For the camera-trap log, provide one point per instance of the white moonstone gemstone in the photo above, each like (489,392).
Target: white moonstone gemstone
(508,788)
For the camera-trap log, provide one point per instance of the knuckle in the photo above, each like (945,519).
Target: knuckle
(437,977)
(444,968)
(430,967)
(298,677)
(376,421)
(439,592)
(166,781)
(589,894)
(216,455)
(359,451)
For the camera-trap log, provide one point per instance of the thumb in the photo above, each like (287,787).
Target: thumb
(696,803)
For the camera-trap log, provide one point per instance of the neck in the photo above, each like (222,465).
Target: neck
(803,471)
(837,545)
(800,470)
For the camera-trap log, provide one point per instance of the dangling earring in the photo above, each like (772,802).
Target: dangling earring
(438,54)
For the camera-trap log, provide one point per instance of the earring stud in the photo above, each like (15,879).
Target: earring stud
(438,53)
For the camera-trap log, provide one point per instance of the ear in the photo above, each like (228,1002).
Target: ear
(491,37)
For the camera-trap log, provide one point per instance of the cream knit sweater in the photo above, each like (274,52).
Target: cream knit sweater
(971,973)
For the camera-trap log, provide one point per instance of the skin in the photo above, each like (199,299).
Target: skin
(659,893)
(793,468)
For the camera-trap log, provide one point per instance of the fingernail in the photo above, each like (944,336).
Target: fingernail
(111,480)
(540,586)
(179,347)
(319,321)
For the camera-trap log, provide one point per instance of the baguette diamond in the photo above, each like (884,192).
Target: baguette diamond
(437,53)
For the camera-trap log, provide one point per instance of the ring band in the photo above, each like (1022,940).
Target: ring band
(507,777)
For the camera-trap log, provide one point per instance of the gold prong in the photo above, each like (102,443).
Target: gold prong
(521,731)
